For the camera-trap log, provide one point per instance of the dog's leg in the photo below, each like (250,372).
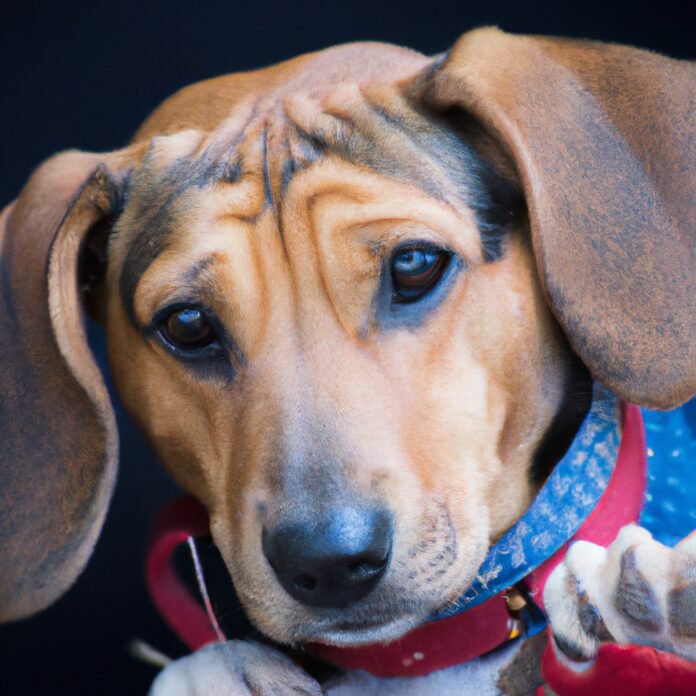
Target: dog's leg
(635,591)
(234,668)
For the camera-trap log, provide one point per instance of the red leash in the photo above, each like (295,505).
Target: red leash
(622,670)
(176,522)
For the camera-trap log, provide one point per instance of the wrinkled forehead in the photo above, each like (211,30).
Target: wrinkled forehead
(277,135)
(257,152)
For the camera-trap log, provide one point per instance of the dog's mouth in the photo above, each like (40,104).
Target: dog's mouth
(351,627)
(386,615)
(357,633)
(364,626)
(422,577)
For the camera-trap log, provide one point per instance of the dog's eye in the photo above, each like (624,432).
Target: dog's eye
(416,270)
(188,329)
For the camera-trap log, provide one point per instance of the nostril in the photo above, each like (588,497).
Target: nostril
(360,568)
(361,572)
(365,568)
(305,581)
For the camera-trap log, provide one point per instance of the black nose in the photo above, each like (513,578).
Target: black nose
(332,560)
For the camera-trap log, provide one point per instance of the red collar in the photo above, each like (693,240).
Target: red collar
(434,645)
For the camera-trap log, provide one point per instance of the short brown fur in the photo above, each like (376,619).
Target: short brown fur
(275,197)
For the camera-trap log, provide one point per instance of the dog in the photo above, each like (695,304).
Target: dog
(357,302)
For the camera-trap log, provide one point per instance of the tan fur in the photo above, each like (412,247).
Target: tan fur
(438,422)
(392,407)
(602,137)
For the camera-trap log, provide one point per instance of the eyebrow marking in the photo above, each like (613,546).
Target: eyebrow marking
(218,162)
(266,174)
(194,273)
(288,167)
(146,247)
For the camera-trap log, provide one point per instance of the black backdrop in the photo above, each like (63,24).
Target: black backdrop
(84,74)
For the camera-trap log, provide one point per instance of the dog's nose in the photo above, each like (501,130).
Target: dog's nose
(333,560)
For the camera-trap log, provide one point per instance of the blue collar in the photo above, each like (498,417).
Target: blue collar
(574,487)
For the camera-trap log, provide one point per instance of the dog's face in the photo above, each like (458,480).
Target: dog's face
(331,350)
(340,300)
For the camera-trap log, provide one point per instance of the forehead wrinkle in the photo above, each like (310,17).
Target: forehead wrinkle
(285,152)
(347,123)
(321,269)
(224,144)
(263,313)
(148,220)
(379,128)
(364,198)
(310,252)
(395,151)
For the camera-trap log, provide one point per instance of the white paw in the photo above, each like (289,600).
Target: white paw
(234,668)
(635,591)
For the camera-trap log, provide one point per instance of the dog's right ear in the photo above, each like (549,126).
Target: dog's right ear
(58,440)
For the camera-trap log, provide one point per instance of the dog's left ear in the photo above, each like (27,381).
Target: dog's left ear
(603,138)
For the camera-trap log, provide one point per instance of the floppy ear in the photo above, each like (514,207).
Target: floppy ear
(58,440)
(603,138)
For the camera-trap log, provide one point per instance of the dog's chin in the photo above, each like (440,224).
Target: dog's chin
(350,635)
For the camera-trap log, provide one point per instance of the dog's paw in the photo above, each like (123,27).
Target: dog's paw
(635,591)
(234,668)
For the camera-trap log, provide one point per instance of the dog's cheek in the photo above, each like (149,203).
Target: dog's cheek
(447,416)
(165,407)
(453,456)
(265,603)
(521,347)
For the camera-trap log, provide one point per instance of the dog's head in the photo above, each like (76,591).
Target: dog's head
(347,298)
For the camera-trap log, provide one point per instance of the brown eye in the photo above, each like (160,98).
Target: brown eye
(416,271)
(188,329)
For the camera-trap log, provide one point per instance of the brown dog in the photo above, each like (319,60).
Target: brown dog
(352,300)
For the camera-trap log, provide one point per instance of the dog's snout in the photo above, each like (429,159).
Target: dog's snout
(332,560)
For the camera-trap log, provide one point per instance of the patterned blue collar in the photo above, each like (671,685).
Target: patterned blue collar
(573,489)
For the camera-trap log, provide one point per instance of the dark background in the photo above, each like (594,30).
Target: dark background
(85,74)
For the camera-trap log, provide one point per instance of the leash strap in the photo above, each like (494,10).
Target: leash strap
(620,670)
(180,519)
